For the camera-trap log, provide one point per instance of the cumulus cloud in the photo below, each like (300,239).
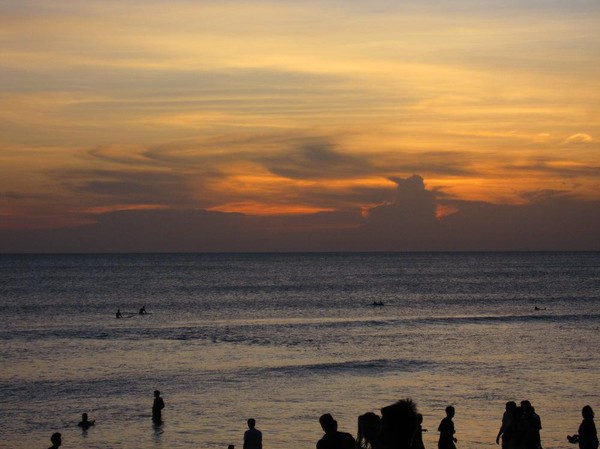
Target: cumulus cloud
(407,223)
(412,203)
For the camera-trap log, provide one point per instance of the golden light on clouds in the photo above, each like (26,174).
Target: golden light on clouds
(275,108)
(255,208)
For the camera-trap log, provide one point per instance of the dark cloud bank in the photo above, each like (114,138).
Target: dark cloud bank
(553,222)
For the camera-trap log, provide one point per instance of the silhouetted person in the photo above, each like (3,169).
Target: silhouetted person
(533,421)
(520,430)
(84,423)
(332,438)
(252,436)
(369,431)
(446,429)
(119,314)
(587,437)
(157,407)
(417,442)
(56,440)
(398,425)
(143,310)
(507,416)
(418,437)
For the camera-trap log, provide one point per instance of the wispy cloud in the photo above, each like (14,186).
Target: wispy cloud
(578,138)
(317,160)
(271,107)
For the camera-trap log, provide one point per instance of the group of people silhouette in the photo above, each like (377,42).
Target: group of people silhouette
(520,427)
(142,311)
(157,406)
(400,427)
(252,436)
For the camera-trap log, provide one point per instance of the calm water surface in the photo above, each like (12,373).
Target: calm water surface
(284,338)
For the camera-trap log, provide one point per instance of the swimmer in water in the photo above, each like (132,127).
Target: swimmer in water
(85,423)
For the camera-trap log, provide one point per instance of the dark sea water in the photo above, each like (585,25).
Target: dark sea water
(284,338)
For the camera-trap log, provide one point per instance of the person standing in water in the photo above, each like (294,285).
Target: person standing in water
(157,407)
(446,429)
(252,436)
(587,437)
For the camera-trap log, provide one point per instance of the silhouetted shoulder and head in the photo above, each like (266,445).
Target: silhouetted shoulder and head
(333,439)
(328,424)
(446,429)
(252,436)
(85,423)
(587,436)
(56,440)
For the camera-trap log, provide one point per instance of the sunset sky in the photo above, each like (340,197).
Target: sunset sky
(302,125)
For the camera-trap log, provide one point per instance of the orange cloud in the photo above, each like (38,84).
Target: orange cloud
(235,107)
(122,207)
(578,138)
(256,208)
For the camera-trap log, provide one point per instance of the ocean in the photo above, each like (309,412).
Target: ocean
(284,338)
